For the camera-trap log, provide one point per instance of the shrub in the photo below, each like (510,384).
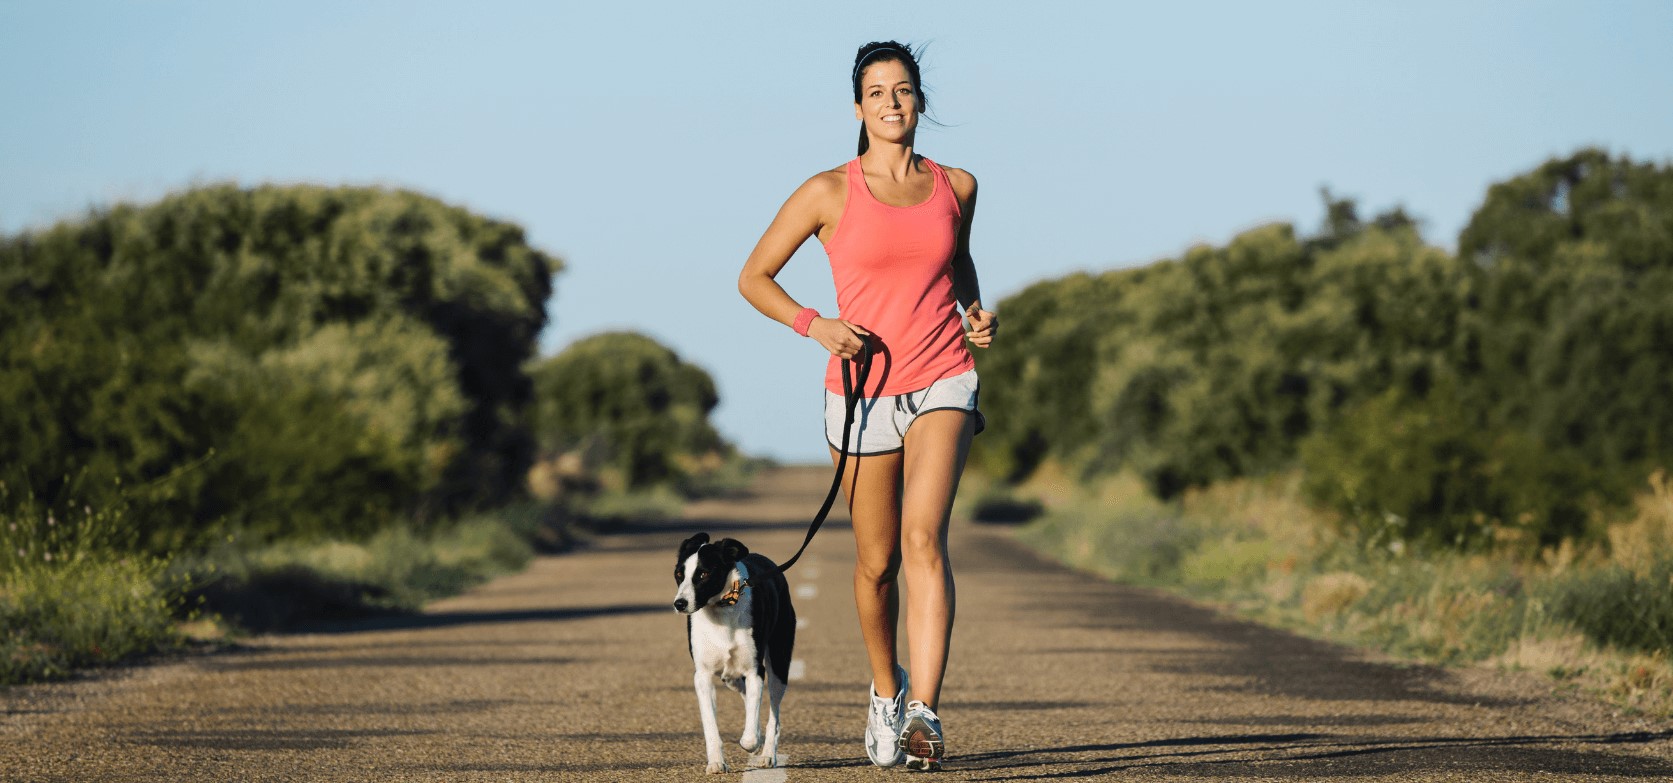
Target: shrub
(292,582)
(55,618)
(631,406)
(370,341)
(1628,608)
(1000,505)
(1427,469)
(67,600)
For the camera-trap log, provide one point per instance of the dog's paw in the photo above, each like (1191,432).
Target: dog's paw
(718,767)
(750,742)
(762,761)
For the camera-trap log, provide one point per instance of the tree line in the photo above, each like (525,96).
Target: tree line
(295,361)
(1517,387)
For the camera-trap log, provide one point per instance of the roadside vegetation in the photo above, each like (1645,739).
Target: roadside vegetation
(1450,456)
(249,409)
(1595,616)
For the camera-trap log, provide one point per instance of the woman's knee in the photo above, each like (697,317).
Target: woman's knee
(922,548)
(877,570)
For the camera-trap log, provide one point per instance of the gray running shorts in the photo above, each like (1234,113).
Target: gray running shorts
(880,423)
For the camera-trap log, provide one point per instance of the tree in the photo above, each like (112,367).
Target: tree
(146,344)
(630,402)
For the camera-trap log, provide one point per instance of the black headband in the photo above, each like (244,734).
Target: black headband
(861,63)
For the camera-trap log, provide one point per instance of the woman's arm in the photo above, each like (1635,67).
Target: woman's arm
(966,288)
(803,215)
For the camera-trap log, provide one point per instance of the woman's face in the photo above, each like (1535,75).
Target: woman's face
(888,102)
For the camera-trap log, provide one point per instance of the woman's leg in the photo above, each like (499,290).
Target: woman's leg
(936,446)
(873,487)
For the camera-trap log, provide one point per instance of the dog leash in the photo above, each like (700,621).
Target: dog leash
(853,389)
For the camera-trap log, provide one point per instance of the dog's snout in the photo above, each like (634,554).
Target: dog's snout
(680,604)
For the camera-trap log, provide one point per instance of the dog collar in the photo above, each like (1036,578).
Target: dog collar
(731,597)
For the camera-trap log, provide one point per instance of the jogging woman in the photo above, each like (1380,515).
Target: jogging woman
(896,227)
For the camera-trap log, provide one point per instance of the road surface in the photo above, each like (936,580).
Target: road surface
(576,670)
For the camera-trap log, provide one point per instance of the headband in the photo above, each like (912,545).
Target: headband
(868,55)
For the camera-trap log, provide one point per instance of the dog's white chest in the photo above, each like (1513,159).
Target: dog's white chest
(725,648)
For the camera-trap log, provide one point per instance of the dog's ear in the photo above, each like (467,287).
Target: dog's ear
(691,544)
(732,550)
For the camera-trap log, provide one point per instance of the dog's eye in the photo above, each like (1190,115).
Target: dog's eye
(702,575)
(679,573)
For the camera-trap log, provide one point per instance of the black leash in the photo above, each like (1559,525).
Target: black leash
(853,390)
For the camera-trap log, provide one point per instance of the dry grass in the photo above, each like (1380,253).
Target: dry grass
(1640,543)
(1329,595)
(1593,615)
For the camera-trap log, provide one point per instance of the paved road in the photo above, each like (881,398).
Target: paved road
(576,670)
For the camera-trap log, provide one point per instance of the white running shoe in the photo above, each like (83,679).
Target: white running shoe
(883,722)
(920,738)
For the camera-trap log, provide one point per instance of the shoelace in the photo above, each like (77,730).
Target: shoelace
(918,706)
(885,711)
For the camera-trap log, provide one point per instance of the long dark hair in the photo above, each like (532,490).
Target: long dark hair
(882,52)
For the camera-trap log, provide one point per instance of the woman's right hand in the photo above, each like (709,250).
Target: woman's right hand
(839,337)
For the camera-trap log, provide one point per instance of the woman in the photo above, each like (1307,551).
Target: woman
(896,227)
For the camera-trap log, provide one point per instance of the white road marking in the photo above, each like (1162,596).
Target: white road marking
(774,775)
(807,590)
(798,669)
(801,622)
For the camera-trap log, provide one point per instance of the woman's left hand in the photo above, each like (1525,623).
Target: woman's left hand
(983,324)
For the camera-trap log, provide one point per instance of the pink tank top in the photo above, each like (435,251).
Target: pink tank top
(894,277)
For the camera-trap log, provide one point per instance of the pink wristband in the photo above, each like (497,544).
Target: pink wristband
(804,319)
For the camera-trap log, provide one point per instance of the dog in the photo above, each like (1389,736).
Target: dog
(740,630)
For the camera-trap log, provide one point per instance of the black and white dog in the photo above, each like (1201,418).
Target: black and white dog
(740,627)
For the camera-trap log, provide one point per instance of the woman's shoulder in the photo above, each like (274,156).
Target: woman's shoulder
(963,182)
(824,186)
(832,178)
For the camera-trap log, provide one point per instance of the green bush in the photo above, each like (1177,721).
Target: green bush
(295,359)
(1618,606)
(1001,505)
(267,586)
(69,600)
(630,405)
(1514,391)
(59,617)
(1427,469)
(1136,542)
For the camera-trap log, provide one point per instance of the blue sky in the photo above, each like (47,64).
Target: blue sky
(649,144)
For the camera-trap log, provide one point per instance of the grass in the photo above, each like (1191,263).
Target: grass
(1596,615)
(288,583)
(68,600)
(71,599)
